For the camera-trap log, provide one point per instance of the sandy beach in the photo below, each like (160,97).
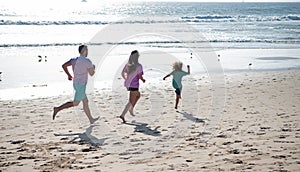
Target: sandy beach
(258,131)
(248,120)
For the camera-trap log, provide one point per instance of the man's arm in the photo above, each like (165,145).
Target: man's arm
(92,70)
(65,67)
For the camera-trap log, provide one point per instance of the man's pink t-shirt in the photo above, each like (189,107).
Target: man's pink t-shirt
(80,67)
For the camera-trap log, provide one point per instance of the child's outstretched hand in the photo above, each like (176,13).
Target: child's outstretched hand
(166,77)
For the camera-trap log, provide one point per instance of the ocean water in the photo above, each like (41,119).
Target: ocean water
(266,35)
(225,25)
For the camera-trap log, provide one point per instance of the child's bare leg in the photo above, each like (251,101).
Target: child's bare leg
(61,107)
(177,101)
(87,111)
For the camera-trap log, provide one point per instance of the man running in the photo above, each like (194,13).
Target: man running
(82,66)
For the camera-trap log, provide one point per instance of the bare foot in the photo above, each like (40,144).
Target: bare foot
(123,119)
(55,110)
(131,112)
(94,120)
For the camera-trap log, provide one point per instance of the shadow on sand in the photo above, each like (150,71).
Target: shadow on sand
(143,128)
(191,117)
(85,137)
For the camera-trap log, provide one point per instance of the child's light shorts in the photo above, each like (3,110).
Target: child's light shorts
(79,92)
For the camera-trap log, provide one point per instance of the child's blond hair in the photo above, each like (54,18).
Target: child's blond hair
(177,66)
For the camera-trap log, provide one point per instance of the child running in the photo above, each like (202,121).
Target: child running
(132,73)
(177,74)
(82,66)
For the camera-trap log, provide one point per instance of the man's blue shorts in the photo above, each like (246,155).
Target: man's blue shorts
(79,92)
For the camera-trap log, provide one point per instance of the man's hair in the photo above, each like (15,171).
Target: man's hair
(81,47)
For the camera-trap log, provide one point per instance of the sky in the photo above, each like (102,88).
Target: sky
(62,1)
(232,0)
(38,4)
(226,0)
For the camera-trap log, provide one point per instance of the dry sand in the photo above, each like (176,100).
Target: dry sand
(259,130)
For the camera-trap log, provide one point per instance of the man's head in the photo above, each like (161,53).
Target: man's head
(83,50)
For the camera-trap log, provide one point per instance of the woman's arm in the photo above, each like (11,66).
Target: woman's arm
(123,74)
(141,78)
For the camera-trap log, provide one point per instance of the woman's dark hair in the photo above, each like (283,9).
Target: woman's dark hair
(133,61)
(81,47)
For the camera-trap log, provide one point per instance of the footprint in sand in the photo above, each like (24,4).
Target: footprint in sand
(17,141)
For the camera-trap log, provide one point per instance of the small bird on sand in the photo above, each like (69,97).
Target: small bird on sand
(250,64)
(40,58)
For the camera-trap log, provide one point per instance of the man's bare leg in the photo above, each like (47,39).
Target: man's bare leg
(61,107)
(87,111)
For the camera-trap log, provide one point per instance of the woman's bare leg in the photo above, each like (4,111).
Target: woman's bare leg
(135,97)
(127,107)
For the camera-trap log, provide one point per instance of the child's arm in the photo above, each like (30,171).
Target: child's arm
(65,67)
(189,70)
(166,76)
(141,78)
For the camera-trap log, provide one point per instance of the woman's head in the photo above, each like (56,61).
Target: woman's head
(177,66)
(133,61)
(134,57)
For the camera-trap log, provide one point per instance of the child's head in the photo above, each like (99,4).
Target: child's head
(177,66)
